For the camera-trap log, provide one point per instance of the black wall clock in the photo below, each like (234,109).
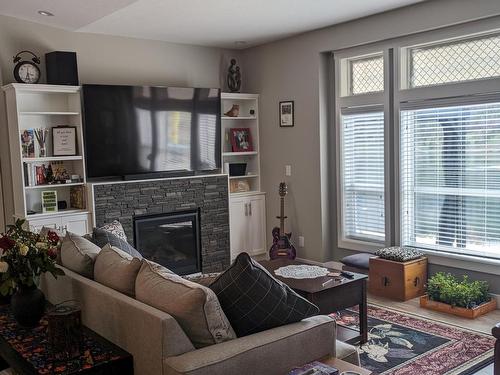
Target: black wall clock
(26,71)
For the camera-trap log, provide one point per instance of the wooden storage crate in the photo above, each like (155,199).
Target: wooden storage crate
(398,280)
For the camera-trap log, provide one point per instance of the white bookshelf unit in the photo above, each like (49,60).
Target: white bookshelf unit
(37,107)
(247,209)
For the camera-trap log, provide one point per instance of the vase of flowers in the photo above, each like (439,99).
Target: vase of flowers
(24,256)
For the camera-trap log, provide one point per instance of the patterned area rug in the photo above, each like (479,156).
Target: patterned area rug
(404,344)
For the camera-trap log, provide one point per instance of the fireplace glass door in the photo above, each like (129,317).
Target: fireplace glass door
(172,240)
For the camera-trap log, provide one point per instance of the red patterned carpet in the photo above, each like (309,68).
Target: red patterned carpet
(404,344)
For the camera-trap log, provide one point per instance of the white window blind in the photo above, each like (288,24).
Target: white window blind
(450,179)
(363,176)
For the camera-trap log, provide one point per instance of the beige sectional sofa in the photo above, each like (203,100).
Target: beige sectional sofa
(160,346)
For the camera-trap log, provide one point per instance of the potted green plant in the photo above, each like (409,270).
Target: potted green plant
(24,256)
(461,297)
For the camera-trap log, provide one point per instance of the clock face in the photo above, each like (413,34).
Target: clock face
(27,72)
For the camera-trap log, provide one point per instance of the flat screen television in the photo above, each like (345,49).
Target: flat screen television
(138,130)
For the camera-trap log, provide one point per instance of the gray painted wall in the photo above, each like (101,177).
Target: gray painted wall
(108,60)
(115,60)
(296,69)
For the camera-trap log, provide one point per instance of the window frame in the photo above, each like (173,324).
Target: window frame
(440,103)
(396,94)
(405,58)
(358,103)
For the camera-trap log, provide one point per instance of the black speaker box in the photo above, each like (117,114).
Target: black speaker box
(61,68)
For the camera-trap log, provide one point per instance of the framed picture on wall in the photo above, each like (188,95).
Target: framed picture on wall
(64,141)
(241,140)
(286,114)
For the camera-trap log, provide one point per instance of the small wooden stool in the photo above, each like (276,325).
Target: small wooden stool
(398,280)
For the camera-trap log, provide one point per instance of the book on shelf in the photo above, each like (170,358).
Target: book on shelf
(77,197)
(29,174)
(53,173)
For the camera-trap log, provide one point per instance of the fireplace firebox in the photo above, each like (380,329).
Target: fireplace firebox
(170,239)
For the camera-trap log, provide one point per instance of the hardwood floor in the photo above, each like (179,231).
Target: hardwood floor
(482,324)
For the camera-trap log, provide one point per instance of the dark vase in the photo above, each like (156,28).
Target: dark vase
(4,300)
(28,306)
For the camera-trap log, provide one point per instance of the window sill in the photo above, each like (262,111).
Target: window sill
(359,245)
(466,262)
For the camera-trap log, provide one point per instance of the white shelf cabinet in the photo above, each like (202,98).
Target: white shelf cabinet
(248,224)
(74,223)
(247,103)
(247,210)
(45,106)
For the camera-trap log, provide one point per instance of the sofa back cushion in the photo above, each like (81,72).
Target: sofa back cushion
(117,269)
(78,254)
(194,306)
(255,301)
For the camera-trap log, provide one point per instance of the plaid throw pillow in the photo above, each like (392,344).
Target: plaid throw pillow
(255,301)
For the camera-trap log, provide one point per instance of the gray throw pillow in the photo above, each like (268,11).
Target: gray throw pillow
(103,237)
(116,228)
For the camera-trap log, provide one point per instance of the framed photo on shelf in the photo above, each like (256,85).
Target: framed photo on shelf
(28,143)
(241,140)
(287,114)
(64,141)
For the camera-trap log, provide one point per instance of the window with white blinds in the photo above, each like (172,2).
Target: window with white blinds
(362,145)
(450,178)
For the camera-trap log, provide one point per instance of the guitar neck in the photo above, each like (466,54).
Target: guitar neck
(282,215)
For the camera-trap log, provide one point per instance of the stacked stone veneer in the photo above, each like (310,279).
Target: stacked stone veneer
(123,200)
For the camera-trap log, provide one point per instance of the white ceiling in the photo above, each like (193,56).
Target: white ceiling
(217,23)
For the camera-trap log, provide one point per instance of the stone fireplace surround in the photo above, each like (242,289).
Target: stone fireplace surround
(121,200)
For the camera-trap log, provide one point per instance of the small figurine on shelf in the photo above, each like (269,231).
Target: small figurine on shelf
(234,77)
(41,137)
(234,111)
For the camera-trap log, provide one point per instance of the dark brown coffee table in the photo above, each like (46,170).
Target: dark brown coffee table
(334,296)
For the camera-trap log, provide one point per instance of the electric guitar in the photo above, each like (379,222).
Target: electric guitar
(282,246)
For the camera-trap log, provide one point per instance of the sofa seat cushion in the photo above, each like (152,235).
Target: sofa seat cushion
(273,352)
(78,254)
(117,269)
(255,301)
(194,306)
(102,237)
